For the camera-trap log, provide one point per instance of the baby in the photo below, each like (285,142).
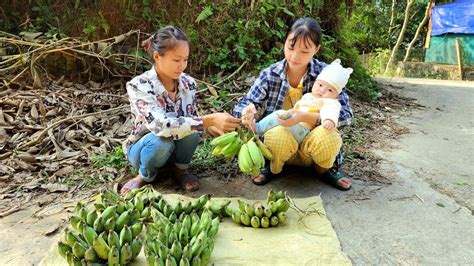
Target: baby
(322,99)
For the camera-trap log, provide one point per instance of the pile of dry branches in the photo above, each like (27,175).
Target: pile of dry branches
(52,128)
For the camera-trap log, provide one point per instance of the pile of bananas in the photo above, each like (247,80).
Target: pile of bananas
(262,216)
(107,234)
(184,240)
(251,152)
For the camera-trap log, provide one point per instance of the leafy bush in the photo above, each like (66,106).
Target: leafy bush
(223,34)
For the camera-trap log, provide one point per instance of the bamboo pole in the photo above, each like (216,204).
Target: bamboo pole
(459,53)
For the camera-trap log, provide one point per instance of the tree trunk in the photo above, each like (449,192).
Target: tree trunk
(392,17)
(422,24)
(400,36)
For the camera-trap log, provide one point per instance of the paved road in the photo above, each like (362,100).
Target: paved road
(425,216)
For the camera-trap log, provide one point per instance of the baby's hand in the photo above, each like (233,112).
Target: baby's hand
(328,124)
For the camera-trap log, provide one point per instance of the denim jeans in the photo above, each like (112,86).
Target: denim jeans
(271,121)
(152,152)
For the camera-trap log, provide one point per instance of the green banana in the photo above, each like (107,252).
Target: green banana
(176,250)
(163,251)
(187,208)
(125,254)
(178,208)
(172,217)
(267,212)
(203,200)
(145,214)
(273,206)
(89,234)
(280,195)
(101,247)
(281,217)
(80,227)
(121,206)
(90,255)
(78,250)
(236,217)
(183,235)
(264,149)
(74,220)
(274,221)
(109,224)
(125,235)
(217,150)
(205,255)
(113,256)
(196,261)
(232,149)
(187,253)
(255,154)
(224,139)
(136,229)
(113,239)
(249,210)
(63,249)
(122,220)
(184,262)
(244,159)
(108,212)
(264,222)
(137,244)
(271,196)
(245,219)
(213,231)
(170,261)
(91,217)
(139,204)
(99,225)
(255,222)
(258,212)
(282,205)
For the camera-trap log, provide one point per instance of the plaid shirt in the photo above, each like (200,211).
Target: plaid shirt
(269,91)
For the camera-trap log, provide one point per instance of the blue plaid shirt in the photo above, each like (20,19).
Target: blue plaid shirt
(270,88)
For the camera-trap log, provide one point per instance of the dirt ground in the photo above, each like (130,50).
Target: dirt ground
(396,213)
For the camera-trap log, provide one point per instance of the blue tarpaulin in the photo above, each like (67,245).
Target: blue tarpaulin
(455,17)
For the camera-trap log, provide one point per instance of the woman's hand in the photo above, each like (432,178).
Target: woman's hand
(248,116)
(219,123)
(300,116)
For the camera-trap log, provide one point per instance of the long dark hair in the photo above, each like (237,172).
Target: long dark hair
(306,28)
(163,40)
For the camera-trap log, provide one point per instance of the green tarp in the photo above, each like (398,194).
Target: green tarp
(443,49)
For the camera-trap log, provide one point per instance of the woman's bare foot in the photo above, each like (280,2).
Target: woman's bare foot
(187,181)
(136,182)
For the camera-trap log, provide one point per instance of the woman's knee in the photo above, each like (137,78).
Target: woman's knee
(158,149)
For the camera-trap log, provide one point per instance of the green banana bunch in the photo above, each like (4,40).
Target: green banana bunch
(107,234)
(260,216)
(186,238)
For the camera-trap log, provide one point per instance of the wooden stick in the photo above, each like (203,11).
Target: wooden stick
(459,53)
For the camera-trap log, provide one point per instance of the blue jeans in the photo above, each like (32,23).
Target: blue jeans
(151,152)
(271,121)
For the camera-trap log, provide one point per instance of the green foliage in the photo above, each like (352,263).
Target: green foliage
(223,34)
(115,159)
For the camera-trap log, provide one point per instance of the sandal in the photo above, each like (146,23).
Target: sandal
(187,179)
(331,177)
(267,176)
(130,185)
